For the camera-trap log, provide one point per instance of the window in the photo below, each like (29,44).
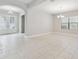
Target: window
(69,23)
(64,24)
(73,23)
(8,24)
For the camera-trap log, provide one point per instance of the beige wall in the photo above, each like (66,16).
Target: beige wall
(56,24)
(57,21)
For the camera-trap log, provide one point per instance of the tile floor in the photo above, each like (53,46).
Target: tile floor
(52,46)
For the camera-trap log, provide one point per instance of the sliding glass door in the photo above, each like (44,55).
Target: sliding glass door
(8,24)
(74,23)
(69,23)
(64,23)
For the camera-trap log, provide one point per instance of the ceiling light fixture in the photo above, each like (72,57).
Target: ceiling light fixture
(10,12)
(60,16)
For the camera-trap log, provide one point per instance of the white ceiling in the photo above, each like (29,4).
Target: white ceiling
(59,6)
(52,6)
(11,8)
(25,1)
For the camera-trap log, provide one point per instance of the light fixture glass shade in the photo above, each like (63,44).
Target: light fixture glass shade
(10,12)
(60,16)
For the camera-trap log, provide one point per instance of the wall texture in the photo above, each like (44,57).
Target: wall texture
(38,22)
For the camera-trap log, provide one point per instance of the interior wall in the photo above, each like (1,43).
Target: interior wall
(38,22)
(57,21)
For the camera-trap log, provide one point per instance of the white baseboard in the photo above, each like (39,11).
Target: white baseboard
(37,35)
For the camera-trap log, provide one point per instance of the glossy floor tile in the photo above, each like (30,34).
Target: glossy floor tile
(52,46)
